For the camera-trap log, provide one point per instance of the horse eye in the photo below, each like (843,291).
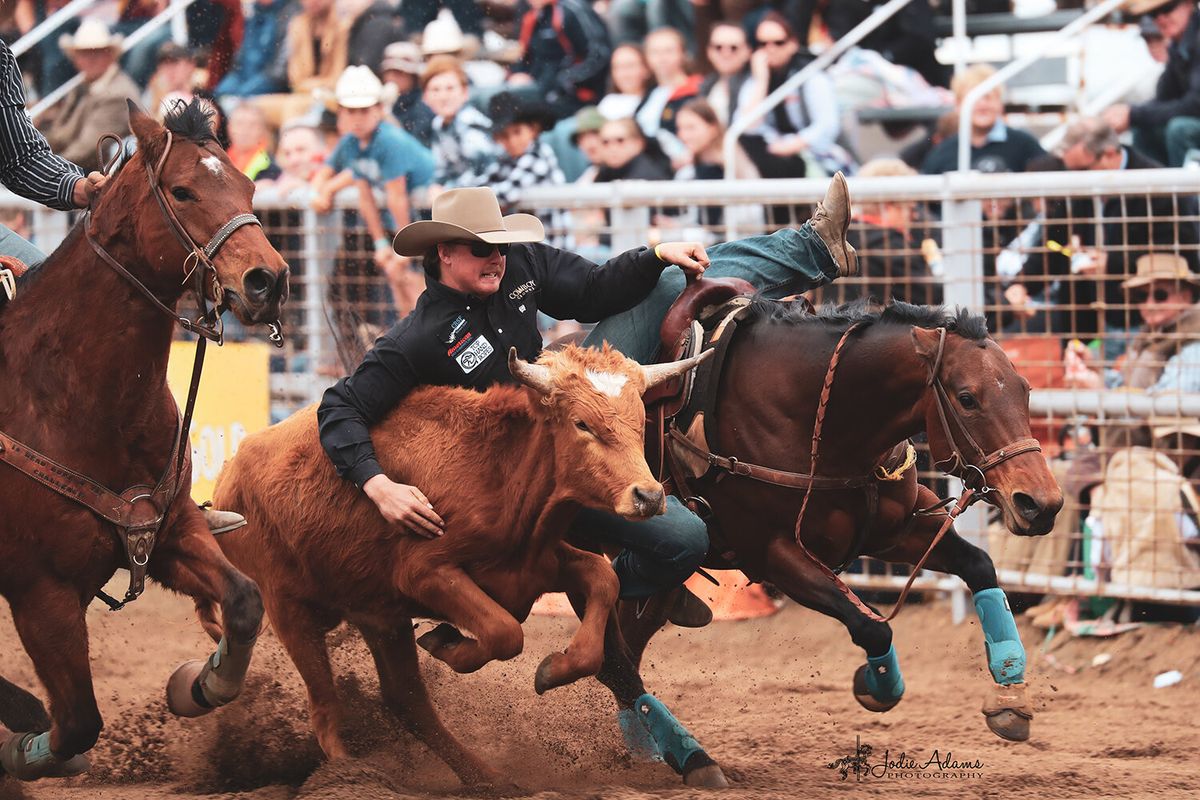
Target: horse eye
(182,195)
(581,425)
(967,401)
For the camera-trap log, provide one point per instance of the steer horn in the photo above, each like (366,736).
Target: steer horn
(660,373)
(535,376)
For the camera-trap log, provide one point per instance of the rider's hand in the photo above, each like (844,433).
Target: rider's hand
(88,188)
(404,505)
(688,256)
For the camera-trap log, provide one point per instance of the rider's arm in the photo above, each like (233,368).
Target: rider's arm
(27,166)
(354,403)
(574,288)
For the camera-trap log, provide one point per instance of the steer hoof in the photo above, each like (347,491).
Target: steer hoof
(182,691)
(709,776)
(443,635)
(1008,712)
(863,694)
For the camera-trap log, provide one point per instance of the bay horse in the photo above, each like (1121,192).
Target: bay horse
(83,351)
(902,371)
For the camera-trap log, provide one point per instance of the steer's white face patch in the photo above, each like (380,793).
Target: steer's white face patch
(607,383)
(213,164)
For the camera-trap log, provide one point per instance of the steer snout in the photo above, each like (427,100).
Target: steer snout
(643,501)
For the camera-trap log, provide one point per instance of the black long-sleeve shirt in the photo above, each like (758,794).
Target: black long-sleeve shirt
(27,166)
(455,339)
(1178,91)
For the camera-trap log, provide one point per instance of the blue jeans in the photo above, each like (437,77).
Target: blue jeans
(662,552)
(1170,143)
(12,244)
(788,261)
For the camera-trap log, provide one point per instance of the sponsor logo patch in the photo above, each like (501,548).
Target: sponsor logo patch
(522,290)
(456,328)
(454,348)
(473,356)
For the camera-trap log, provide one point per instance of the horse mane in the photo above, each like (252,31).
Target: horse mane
(868,312)
(192,121)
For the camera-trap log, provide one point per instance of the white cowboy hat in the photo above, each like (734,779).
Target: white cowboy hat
(91,35)
(358,87)
(471,215)
(443,35)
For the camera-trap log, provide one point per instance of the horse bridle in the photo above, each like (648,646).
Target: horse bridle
(971,471)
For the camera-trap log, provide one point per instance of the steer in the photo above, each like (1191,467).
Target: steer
(507,469)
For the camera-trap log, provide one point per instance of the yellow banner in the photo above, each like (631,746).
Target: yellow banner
(234,400)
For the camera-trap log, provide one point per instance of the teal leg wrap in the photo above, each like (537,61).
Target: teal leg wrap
(638,740)
(676,745)
(883,676)
(1006,654)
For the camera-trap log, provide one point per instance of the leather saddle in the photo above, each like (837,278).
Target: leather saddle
(10,269)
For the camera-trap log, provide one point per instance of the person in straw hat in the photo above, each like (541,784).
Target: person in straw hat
(97,105)
(374,155)
(488,276)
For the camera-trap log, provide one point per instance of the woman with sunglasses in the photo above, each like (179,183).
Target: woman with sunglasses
(488,276)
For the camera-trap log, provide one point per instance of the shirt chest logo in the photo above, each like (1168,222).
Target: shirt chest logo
(471,357)
(456,329)
(522,290)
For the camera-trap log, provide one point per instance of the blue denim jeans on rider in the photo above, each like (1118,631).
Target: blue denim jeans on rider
(663,551)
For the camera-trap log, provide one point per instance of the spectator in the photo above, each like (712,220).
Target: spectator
(703,135)
(462,135)
(630,82)
(373,29)
(317,41)
(564,55)
(219,26)
(630,20)
(667,56)
(139,61)
(401,67)
(300,153)
(250,143)
(1168,126)
(728,88)
(467,14)
(443,37)
(625,156)
(260,66)
(1113,230)
(803,130)
(914,154)
(175,75)
(97,105)
(890,258)
(586,138)
(516,125)
(372,155)
(995,147)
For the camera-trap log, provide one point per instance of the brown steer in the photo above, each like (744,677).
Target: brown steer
(507,470)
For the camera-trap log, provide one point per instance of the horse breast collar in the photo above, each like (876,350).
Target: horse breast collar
(138,512)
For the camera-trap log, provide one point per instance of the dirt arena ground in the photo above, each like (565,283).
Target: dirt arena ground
(770,699)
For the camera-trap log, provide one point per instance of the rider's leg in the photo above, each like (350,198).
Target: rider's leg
(17,246)
(788,261)
(660,553)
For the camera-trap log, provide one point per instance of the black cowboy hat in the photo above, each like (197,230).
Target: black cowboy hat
(507,108)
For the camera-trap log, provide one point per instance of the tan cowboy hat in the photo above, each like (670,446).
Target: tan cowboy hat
(402,57)
(1161,267)
(358,87)
(92,34)
(471,215)
(1136,7)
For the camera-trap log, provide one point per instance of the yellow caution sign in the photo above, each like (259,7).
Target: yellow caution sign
(234,401)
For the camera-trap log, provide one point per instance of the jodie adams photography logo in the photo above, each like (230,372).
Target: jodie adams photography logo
(866,764)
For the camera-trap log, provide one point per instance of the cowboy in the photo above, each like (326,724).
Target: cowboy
(97,105)
(488,276)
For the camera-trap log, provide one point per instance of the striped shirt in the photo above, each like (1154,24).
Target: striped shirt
(27,166)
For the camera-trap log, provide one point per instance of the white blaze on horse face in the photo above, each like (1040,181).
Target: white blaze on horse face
(213,164)
(607,383)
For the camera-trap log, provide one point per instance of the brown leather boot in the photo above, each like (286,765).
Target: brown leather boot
(831,222)
(222,521)
(689,611)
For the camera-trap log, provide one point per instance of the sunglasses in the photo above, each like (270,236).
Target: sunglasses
(484,249)
(615,140)
(724,48)
(1162,10)
(772,42)
(1159,295)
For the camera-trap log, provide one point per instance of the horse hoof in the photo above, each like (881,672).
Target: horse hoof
(15,761)
(1009,725)
(709,776)
(543,680)
(181,691)
(443,635)
(863,694)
